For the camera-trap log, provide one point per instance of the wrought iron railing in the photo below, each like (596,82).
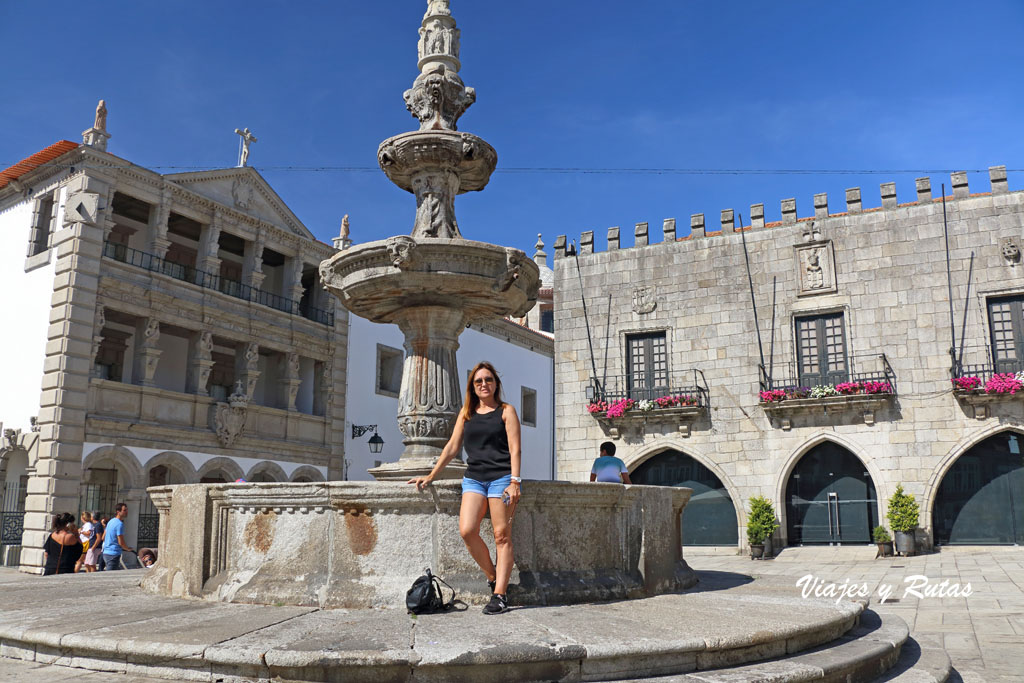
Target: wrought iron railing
(149,525)
(12,512)
(861,368)
(640,386)
(978,361)
(232,288)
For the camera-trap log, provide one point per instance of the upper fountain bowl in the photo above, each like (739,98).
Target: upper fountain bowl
(469,157)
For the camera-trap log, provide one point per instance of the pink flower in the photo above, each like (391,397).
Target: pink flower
(773,395)
(966,383)
(848,387)
(1003,383)
(877,388)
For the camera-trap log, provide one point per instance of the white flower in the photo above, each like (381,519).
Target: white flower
(646,405)
(821,391)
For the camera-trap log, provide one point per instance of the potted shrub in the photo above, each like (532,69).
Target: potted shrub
(903,515)
(761,525)
(884,541)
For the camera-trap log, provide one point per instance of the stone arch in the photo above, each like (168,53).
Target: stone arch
(816,439)
(176,461)
(130,472)
(229,467)
(268,468)
(931,489)
(308,472)
(649,450)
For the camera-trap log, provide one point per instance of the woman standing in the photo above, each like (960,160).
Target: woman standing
(85,534)
(63,547)
(490,429)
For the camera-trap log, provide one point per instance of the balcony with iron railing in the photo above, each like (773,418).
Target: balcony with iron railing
(980,379)
(634,401)
(866,384)
(232,288)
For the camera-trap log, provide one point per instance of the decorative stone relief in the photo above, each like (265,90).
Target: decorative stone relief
(230,417)
(1010,249)
(815,264)
(252,356)
(242,193)
(151,335)
(402,250)
(644,300)
(438,98)
(205,346)
(507,278)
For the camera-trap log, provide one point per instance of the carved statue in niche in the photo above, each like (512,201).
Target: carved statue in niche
(815,277)
(151,335)
(204,350)
(252,356)
(1011,251)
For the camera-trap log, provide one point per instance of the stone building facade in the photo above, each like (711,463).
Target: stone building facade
(856,303)
(178,330)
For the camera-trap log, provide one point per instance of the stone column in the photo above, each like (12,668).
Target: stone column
(430,397)
(147,353)
(290,379)
(200,362)
(54,485)
(158,217)
(99,323)
(247,368)
(209,243)
(294,284)
(252,270)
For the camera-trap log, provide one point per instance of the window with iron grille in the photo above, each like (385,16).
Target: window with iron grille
(821,349)
(646,365)
(1006,317)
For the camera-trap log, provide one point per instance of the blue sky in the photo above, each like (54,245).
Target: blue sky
(560,84)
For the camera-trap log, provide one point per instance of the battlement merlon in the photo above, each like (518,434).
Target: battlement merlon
(698,226)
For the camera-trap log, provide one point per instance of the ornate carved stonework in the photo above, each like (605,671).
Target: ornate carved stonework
(242,193)
(1010,249)
(644,300)
(229,418)
(815,263)
(402,250)
(513,263)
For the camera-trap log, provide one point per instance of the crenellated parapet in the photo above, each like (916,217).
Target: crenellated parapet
(729,223)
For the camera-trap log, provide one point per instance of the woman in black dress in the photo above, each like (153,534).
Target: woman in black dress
(490,429)
(63,547)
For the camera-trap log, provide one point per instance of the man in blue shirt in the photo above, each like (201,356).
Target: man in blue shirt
(113,538)
(608,468)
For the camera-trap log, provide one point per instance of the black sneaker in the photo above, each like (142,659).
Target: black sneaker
(497,605)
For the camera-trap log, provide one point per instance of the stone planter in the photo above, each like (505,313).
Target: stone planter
(757,552)
(769,549)
(905,542)
(982,403)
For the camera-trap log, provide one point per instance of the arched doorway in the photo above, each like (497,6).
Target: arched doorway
(981,498)
(710,516)
(830,498)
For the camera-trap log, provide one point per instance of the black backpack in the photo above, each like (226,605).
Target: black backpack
(426,597)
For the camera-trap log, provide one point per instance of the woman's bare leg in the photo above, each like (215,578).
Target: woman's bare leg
(474,506)
(503,543)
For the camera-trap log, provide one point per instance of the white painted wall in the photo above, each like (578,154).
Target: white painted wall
(517,367)
(25,309)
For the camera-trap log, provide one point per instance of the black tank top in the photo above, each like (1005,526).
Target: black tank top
(486,444)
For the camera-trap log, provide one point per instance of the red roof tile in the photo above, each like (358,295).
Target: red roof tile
(35,161)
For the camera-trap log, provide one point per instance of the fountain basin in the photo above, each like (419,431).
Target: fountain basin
(404,157)
(361,544)
(382,280)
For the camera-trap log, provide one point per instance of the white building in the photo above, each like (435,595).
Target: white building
(523,357)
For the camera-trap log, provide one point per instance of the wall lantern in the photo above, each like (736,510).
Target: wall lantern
(376,443)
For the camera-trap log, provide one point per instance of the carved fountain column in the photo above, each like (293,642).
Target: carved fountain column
(433,282)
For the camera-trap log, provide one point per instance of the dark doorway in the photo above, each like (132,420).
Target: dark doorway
(981,498)
(710,516)
(830,498)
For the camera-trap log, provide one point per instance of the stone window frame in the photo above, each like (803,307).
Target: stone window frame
(984,296)
(825,308)
(38,256)
(525,391)
(624,333)
(381,350)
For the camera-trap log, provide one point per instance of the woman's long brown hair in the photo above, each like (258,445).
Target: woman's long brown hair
(472,401)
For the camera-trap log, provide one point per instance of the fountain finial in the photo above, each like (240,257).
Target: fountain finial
(438,96)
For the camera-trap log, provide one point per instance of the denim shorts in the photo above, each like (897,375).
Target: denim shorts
(488,489)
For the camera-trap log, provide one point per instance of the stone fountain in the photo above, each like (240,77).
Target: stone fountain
(361,544)
(433,283)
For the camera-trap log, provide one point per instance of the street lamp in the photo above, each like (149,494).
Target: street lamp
(376,443)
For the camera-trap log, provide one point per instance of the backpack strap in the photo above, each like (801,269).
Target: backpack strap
(451,601)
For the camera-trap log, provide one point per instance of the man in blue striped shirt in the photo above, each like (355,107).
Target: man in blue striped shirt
(608,468)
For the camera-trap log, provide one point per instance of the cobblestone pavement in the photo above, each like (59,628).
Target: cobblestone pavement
(983,633)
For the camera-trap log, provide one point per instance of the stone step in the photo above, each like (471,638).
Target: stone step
(919,664)
(869,652)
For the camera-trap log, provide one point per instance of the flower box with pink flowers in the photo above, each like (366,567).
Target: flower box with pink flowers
(981,392)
